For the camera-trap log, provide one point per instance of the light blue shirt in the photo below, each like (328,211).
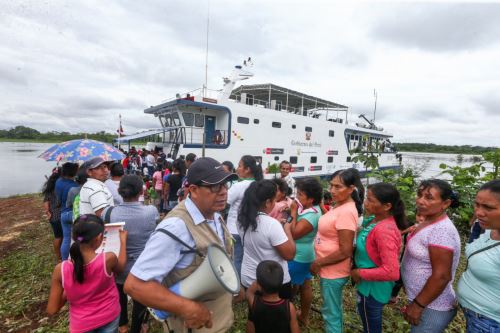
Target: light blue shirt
(162,254)
(479,286)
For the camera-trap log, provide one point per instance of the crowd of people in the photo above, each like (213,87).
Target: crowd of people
(280,234)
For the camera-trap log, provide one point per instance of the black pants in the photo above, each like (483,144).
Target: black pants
(138,311)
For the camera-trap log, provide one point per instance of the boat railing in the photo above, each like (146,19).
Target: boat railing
(326,113)
(201,92)
(195,136)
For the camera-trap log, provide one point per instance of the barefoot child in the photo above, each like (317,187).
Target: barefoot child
(86,281)
(267,311)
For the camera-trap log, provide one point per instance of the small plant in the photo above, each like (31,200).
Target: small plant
(273,168)
(465,181)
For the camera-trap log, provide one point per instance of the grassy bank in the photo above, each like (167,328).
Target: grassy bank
(27,261)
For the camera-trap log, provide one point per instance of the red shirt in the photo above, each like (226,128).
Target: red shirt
(383,246)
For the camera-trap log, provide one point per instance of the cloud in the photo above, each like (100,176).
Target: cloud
(440,27)
(76,67)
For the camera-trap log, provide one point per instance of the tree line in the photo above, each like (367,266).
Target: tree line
(434,148)
(27,133)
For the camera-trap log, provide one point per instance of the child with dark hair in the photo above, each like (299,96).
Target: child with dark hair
(263,237)
(86,281)
(281,210)
(267,311)
(327,201)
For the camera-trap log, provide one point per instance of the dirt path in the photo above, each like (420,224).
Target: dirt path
(17,214)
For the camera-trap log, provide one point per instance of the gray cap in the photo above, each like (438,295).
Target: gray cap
(94,162)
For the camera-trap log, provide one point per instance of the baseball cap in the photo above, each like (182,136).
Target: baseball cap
(207,170)
(94,162)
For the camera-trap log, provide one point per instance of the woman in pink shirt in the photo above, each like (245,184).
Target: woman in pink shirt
(334,244)
(87,281)
(431,259)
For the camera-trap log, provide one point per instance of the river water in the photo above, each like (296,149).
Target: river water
(22,172)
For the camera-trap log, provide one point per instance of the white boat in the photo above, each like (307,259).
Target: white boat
(269,122)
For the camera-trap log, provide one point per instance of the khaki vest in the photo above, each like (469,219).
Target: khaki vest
(203,235)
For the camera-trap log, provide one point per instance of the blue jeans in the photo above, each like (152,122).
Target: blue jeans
(434,321)
(370,311)
(477,323)
(66,224)
(238,253)
(111,327)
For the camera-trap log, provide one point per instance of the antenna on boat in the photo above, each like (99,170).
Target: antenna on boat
(206,53)
(375,107)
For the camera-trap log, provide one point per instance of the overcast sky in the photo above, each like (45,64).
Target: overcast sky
(76,65)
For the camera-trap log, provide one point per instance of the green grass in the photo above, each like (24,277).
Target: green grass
(25,272)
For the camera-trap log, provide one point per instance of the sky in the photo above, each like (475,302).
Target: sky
(77,65)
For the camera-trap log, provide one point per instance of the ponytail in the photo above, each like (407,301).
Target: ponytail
(77,258)
(388,193)
(254,198)
(254,166)
(350,177)
(85,229)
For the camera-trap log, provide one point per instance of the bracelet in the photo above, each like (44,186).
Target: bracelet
(416,302)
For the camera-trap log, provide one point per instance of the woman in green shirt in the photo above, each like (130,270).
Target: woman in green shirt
(377,253)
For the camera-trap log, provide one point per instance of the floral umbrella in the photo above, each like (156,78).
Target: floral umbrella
(80,151)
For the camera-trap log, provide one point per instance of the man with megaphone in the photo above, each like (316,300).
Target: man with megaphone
(178,253)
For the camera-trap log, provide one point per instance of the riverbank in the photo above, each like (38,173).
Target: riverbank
(27,261)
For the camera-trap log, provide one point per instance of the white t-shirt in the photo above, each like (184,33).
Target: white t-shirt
(94,195)
(234,197)
(259,245)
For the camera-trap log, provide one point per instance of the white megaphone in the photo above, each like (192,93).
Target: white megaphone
(215,276)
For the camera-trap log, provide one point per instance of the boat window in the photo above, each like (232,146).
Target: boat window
(276,158)
(352,136)
(243,120)
(199,120)
(294,127)
(279,105)
(188,118)
(166,119)
(276,124)
(176,120)
(293,159)
(309,129)
(331,133)
(330,159)
(348,159)
(256,121)
(249,100)
(314,159)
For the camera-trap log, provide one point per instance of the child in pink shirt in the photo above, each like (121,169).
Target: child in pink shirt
(86,281)
(281,210)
